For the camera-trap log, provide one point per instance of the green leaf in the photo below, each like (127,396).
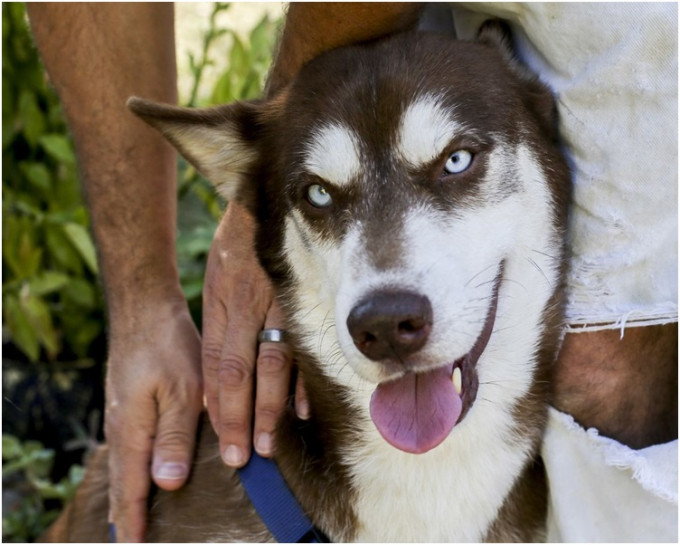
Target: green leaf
(76,473)
(37,175)
(20,329)
(66,190)
(38,314)
(32,119)
(8,127)
(192,289)
(80,238)
(40,465)
(222,91)
(80,215)
(48,490)
(8,133)
(32,446)
(61,250)
(80,293)
(261,38)
(58,147)
(239,60)
(85,335)
(80,328)
(195,243)
(29,254)
(251,86)
(11,447)
(192,63)
(210,199)
(10,236)
(47,282)
(28,204)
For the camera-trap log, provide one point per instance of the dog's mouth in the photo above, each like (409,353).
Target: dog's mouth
(417,411)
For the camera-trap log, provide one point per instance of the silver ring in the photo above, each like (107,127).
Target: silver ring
(271,336)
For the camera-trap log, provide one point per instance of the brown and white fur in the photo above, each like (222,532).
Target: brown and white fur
(374,126)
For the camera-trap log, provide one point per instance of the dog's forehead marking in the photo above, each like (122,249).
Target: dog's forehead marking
(333,154)
(426,129)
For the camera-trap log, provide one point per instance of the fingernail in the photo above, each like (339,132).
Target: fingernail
(264,444)
(233,456)
(171,470)
(303,410)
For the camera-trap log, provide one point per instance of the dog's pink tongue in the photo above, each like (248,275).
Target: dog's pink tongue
(417,411)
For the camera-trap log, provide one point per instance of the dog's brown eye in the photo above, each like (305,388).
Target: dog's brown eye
(458,162)
(318,196)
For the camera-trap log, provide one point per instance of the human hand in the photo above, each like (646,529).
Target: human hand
(154,397)
(237,304)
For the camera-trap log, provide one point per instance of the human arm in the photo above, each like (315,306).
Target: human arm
(97,55)
(314,27)
(234,278)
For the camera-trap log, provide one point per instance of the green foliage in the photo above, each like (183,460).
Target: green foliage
(26,482)
(52,303)
(243,79)
(52,299)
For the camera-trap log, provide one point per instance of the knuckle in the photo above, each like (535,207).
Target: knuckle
(175,440)
(269,412)
(272,362)
(232,428)
(235,371)
(211,354)
(188,394)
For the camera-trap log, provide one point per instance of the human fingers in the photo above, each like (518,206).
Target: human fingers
(273,371)
(246,315)
(212,344)
(130,440)
(237,296)
(301,401)
(173,449)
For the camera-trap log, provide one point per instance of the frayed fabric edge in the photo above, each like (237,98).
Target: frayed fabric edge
(633,318)
(622,457)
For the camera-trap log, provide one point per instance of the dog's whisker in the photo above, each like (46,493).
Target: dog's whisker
(478,274)
(549,256)
(540,270)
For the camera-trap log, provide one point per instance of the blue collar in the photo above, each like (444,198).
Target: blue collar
(275,503)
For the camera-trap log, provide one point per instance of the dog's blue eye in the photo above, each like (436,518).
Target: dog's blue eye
(458,162)
(318,196)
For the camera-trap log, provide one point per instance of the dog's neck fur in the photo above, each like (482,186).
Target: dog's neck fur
(357,487)
(482,483)
(386,123)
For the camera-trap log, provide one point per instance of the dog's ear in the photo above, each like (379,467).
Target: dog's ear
(217,141)
(537,96)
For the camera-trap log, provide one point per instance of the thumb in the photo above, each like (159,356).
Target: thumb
(174,446)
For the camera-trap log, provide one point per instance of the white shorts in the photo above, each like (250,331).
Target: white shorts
(603,491)
(613,68)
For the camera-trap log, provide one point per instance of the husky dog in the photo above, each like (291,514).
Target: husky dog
(411,202)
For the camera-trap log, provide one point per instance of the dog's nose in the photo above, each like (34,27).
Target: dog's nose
(390,324)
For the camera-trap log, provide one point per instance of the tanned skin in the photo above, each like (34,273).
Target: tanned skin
(314,28)
(154,380)
(98,55)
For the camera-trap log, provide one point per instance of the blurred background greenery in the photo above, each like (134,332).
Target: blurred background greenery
(53,330)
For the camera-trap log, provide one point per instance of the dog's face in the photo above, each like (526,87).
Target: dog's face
(411,204)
